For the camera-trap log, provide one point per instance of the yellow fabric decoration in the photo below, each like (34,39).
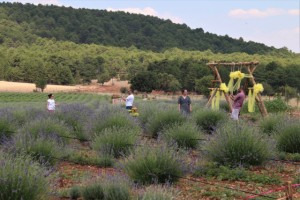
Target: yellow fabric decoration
(224,88)
(236,75)
(258,88)
(251,107)
(251,102)
(213,100)
(232,76)
(215,103)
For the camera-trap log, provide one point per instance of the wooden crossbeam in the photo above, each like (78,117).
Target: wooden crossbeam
(242,64)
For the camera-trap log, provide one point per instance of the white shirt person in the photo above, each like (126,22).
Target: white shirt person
(129,100)
(51,103)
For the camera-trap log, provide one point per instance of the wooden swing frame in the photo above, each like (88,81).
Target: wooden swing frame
(250,66)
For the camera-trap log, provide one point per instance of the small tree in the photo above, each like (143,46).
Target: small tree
(203,84)
(167,83)
(41,83)
(103,77)
(268,90)
(289,92)
(144,82)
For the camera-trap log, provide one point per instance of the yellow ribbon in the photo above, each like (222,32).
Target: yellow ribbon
(236,75)
(251,97)
(215,104)
(224,88)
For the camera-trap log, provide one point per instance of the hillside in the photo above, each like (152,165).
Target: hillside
(85,26)
(28,54)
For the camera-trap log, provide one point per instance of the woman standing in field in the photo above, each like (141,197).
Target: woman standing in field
(184,103)
(51,103)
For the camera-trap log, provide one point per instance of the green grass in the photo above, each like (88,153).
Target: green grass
(14,97)
(223,173)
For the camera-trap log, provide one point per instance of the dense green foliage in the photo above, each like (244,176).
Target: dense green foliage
(121,29)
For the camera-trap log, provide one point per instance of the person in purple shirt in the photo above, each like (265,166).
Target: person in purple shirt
(238,101)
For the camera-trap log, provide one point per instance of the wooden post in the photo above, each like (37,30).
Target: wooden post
(218,77)
(289,191)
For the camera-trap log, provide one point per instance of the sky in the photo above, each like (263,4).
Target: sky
(272,22)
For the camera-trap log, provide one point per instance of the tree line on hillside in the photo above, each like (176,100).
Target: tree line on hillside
(119,29)
(173,75)
(68,63)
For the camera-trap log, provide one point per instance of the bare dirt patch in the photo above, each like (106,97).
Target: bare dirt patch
(113,86)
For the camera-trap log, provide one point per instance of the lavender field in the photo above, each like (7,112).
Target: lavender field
(91,149)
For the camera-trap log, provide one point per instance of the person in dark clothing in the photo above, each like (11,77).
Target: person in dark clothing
(184,103)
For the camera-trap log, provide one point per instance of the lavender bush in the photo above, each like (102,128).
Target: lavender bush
(238,145)
(22,178)
(162,119)
(108,117)
(107,188)
(148,165)
(288,138)
(76,116)
(185,135)
(116,141)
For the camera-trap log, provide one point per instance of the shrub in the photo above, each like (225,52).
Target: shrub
(237,145)
(123,90)
(86,158)
(26,114)
(185,135)
(276,105)
(6,129)
(157,193)
(76,117)
(47,128)
(288,139)
(109,189)
(115,141)
(289,156)
(21,178)
(43,149)
(163,119)
(75,192)
(93,191)
(115,120)
(147,110)
(209,119)
(154,165)
(270,124)
(114,190)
